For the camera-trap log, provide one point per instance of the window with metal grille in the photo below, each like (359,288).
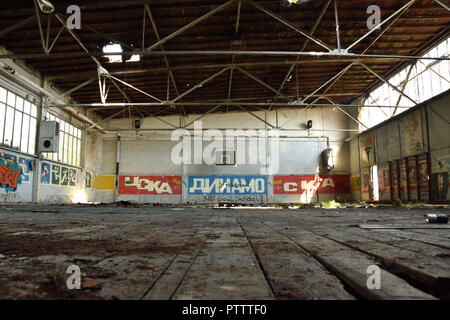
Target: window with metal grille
(18,118)
(69,143)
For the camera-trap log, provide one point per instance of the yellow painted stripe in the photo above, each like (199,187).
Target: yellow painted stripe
(104,182)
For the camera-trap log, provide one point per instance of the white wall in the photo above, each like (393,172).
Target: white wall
(148,152)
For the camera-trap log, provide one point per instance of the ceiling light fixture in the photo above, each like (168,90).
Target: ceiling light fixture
(45,6)
(288,3)
(115,53)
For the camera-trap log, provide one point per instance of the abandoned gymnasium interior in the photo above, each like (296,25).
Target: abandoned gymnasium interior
(224,150)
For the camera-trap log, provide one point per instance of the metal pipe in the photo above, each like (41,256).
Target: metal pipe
(255,104)
(314,54)
(224,129)
(338,38)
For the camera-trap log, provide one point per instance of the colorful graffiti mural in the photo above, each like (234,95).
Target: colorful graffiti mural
(311,184)
(227,185)
(57,175)
(45,173)
(14,171)
(10,175)
(150,185)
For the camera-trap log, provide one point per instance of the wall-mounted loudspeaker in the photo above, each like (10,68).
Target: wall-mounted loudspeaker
(49,136)
(137,123)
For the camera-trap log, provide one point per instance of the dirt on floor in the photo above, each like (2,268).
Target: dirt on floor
(164,252)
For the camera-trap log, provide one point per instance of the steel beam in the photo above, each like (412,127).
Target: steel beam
(72,90)
(17,26)
(41,33)
(190,25)
(236,30)
(334,78)
(263,83)
(289,24)
(199,85)
(203,115)
(188,103)
(336,18)
(442,4)
(256,116)
(405,7)
(166,61)
(345,112)
(313,54)
(388,83)
(134,88)
(313,29)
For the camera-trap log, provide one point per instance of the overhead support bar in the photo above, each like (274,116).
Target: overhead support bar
(134,88)
(166,61)
(203,115)
(405,7)
(337,76)
(41,33)
(388,83)
(263,83)
(256,116)
(190,25)
(336,17)
(313,54)
(442,4)
(346,113)
(199,85)
(17,26)
(313,29)
(72,90)
(107,118)
(188,103)
(287,23)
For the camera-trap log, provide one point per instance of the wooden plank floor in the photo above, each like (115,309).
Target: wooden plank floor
(163,252)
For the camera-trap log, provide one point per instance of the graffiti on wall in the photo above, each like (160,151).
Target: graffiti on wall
(227,185)
(440,184)
(10,197)
(150,185)
(14,171)
(57,175)
(411,132)
(384,184)
(323,184)
(444,164)
(367,150)
(10,175)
